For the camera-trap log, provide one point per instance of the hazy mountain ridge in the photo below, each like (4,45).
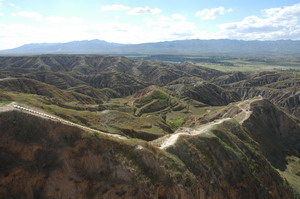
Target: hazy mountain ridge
(74,47)
(189,47)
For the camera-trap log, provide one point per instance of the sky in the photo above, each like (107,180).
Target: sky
(139,21)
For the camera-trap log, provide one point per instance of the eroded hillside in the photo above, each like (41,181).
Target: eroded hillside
(280,88)
(111,127)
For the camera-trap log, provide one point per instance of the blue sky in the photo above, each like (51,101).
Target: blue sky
(139,21)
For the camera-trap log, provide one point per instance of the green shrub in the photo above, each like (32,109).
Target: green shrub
(175,124)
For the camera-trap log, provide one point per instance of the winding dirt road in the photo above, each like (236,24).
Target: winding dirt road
(187,131)
(245,113)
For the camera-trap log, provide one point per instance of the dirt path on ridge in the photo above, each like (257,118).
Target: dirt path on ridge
(245,113)
(15,106)
(187,131)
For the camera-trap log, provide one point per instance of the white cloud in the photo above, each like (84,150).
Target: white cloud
(50,19)
(28,14)
(114,7)
(53,29)
(162,28)
(13,35)
(144,10)
(276,23)
(131,11)
(178,16)
(1,14)
(156,28)
(64,20)
(13,5)
(209,14)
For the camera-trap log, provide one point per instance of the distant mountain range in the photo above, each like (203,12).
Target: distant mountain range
(180,47)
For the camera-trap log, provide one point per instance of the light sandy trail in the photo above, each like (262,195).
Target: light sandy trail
(244,115)
(6,107)
(245,107)
(14,105)
(187,131)
(6,78)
